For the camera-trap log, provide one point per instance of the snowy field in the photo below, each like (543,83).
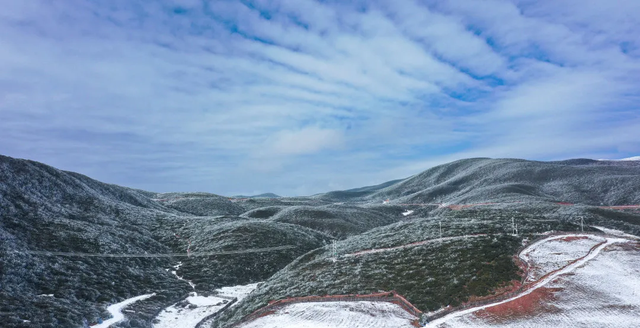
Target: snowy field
(239,292)
(556,252)
(603,290)
(363,314)
(189,312)
(116,310)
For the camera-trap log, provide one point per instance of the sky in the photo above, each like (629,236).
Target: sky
(299,97)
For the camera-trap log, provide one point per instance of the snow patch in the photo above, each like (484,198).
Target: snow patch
(239,292)
(363,314)
(189,312)
(634,158)
(175,273)
(555,253)
(116,310)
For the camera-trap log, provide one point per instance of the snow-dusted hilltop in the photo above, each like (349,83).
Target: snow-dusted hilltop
(634,158)
(480,180)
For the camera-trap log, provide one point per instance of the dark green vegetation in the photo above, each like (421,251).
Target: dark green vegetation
(337,221)
(45,209)
(264,212)
(201,204)
(231,234)
(431,275)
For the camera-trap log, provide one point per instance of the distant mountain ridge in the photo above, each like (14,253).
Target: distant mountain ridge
(264,195)
(633,158)
(479,180)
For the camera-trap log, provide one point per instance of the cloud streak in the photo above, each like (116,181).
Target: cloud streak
(305,96)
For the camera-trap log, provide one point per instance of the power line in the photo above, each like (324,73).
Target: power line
(190,254)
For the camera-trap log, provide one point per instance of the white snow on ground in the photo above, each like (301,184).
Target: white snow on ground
(605,292)
(556,252)
(634,158)
(362,314)
(239,292)
(116,310)
(444,321)
(205,300)
(408,212)
(181,315)
(175,273)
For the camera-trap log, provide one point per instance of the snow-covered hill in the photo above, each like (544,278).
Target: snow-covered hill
(633,158)
(362,314)
(481,180)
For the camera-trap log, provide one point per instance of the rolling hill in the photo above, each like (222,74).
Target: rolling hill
(479,180)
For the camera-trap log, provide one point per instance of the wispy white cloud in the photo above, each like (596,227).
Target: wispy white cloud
(303,96)
(305,141)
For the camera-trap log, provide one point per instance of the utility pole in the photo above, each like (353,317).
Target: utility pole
(581,224)
(440,223)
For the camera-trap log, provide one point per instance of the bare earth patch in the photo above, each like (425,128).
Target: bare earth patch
(529,305)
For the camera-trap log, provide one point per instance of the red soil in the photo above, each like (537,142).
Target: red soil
(572,238)
(528,305)
(266,313)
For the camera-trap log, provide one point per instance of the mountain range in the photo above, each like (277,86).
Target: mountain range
(71,245)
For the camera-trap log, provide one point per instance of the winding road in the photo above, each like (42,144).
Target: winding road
(191,254)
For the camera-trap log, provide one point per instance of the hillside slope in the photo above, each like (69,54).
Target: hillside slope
(480,180)
(43,209)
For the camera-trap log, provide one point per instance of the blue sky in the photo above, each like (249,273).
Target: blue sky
(300,96)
